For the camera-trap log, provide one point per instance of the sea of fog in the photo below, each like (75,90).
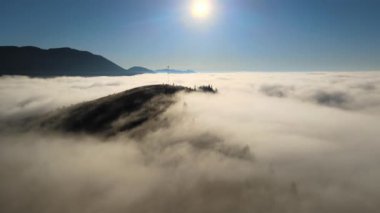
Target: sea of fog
(267,142)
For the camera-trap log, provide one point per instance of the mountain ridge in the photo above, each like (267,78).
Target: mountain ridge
(34,61)
(140,69)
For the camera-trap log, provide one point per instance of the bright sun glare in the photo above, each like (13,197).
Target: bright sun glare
(201,8)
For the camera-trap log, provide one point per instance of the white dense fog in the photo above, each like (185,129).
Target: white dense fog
(267,142)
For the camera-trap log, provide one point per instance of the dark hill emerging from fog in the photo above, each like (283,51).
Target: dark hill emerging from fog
(123,112)
(36,62)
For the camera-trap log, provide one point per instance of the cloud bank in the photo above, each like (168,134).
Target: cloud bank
(267,142)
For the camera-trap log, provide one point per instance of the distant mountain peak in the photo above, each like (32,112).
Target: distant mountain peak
(140,69)
(65,61)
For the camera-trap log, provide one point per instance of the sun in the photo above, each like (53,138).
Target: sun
(201,8)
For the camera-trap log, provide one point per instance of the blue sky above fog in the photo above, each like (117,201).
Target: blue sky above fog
(239,35)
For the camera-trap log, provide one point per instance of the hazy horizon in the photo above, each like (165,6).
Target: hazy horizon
(209,71)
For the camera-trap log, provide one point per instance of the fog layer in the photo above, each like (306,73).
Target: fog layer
(267,142)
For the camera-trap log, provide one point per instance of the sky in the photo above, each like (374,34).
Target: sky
(238,35)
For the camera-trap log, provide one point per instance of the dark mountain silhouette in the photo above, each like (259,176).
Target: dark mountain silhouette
(33,61)
(137,69)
